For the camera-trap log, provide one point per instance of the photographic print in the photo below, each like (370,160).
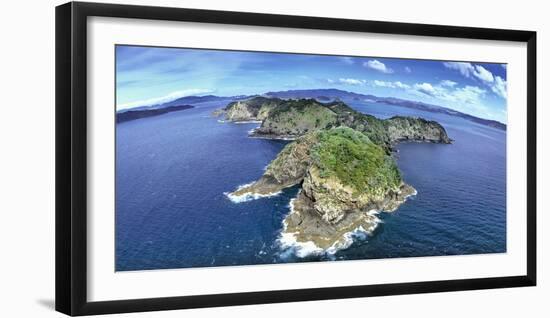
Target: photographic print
(228,158)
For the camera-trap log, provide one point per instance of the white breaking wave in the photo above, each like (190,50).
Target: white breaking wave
(411,195)
(248,122)
(248,196)
(251,131)
(358,234)
(290,245)
(272,137)
(301,249)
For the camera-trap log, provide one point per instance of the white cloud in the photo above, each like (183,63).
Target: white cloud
(468,99)
(383,84)
(396,84)
(330,81)
(378,66)
(444,91)
(465,68)
(425,88)
(447,83)
(408,69)
(469,70)
(462,95)
(164,99)
(496,83)
(499,87)
(401,85)
(483,74)
(351,81)
(469,94)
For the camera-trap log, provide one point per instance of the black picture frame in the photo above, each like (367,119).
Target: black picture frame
(71,157)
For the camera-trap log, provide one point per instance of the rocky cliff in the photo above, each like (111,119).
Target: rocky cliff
(253,109)
(401,128)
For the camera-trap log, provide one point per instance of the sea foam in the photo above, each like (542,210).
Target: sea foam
(290,245)
(248,196)
(411,195)
(248,122)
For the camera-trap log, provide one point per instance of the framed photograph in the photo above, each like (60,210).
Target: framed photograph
(208,158)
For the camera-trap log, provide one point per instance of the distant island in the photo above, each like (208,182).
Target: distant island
(327,95)
(342,160)
(144,113)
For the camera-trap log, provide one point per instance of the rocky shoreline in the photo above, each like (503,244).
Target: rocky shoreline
(255,134)
(304,225)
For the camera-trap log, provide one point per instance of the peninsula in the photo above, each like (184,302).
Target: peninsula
(124,116)
(342,160)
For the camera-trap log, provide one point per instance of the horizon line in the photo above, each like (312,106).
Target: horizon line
(211,93)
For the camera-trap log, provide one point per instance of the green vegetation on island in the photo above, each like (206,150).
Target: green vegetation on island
(355,160)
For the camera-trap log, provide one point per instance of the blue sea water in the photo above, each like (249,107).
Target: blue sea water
(172,172)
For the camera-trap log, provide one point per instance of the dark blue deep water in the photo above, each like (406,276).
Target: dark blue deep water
(172,171)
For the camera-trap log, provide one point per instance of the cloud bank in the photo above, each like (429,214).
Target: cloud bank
(164,99)
(496,83)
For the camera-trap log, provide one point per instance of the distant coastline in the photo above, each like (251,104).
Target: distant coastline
(144,113)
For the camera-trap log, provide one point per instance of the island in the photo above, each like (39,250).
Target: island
(123,116)
(341,159)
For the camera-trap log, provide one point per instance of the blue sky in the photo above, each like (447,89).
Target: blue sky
(151,75)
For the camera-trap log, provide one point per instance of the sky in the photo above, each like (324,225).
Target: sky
(152,75)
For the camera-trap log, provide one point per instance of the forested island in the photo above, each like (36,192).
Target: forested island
(342,160)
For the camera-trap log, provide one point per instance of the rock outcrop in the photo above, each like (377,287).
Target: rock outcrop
(401,128)
(253,109)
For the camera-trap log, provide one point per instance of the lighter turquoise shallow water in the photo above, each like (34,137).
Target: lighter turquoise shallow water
(172,171)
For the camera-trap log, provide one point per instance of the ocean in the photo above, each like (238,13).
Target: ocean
(173,172)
